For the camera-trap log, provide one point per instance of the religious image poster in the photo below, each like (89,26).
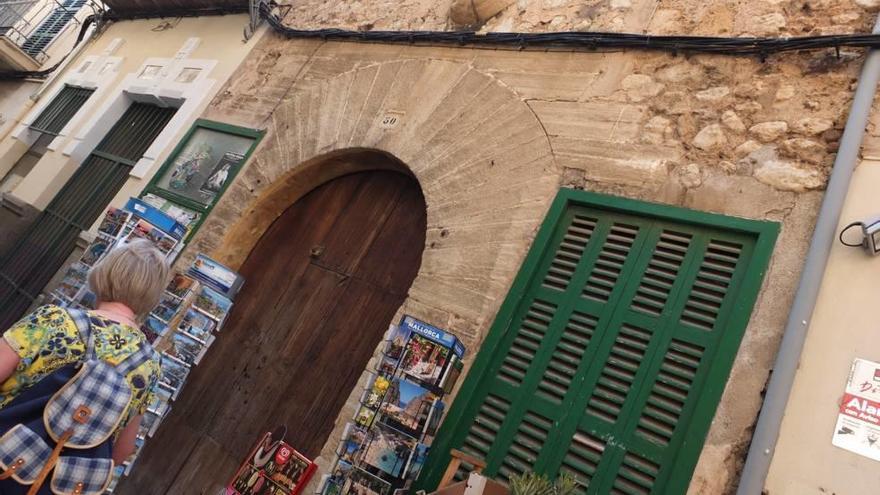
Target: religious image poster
(858,423)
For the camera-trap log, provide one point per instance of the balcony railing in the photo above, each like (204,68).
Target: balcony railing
(32,25)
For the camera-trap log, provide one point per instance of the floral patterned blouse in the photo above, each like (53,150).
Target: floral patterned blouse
(48,339)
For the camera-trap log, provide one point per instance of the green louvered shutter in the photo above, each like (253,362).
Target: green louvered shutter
(58,113)
(616,351)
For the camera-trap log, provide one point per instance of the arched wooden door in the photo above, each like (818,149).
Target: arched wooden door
(321,286)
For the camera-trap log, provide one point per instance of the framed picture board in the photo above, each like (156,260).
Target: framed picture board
(199,171)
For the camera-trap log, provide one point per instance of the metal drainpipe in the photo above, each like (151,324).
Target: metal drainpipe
(766,434)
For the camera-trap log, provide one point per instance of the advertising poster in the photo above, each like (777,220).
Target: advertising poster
(858,424)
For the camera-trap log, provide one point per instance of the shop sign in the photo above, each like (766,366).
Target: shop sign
(433,333)
(858,424)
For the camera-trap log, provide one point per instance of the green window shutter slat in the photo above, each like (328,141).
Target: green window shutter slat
(63,107)
(620,317)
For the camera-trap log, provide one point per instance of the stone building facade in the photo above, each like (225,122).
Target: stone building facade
(492,134)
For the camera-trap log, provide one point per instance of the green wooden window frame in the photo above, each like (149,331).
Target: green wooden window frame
(574,374)
(202,209)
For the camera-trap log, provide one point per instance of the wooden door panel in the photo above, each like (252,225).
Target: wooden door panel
(206,458)
(353,233)
(391,257)
(265,366)
(306,223)
(166,456)
(346,333)
(300,333)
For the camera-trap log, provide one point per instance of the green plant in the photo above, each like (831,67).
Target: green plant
(531,484)
(538,484)
(566,484)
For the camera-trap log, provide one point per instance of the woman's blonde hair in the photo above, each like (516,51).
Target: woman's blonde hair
(134,274)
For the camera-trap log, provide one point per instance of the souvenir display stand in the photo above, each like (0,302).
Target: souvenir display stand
(272,467)
(385,446)
(188,317)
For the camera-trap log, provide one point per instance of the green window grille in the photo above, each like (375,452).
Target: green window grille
(58,113)
(610,354)
(29,266)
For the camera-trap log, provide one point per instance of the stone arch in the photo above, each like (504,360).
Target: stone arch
(481,156)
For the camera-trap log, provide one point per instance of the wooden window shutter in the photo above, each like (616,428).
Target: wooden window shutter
(613,347)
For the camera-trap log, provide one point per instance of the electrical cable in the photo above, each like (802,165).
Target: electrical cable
(747,46)
(840,237)
(584,40)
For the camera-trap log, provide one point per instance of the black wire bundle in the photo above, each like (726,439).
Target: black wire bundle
(586,40)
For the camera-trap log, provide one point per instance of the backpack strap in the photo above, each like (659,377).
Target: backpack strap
(84,326)
(134,360)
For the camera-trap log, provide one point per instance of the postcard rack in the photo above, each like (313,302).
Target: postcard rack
(385,445)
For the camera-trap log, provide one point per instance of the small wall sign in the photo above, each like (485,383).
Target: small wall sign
(390,120)
(858,424)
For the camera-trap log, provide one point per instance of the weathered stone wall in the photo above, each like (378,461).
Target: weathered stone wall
(491,134)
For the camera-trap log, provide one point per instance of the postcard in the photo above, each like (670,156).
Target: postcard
(408,404)
(154,328)
(424,359)
(388,450)
(376,392)
(151,423)
(56,299)
(181,285)
(146,230)
(387,367)
(74,280)
(365,417)
(353,443)
(213,303)
(87,299)
(417,462)
(96,250)
(398,339)
(174,373)
(168,307)
(197,324)
(161,402)
(184,216)
(113,221)
(453,372)
(186,348)
(364,483)
(213,273)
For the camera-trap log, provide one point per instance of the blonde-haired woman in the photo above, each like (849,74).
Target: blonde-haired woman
(127,283)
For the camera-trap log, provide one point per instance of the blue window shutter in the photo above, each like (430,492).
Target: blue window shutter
(51,27)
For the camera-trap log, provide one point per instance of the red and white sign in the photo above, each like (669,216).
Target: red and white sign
(858,424)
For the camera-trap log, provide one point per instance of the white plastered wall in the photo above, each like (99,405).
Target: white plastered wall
(843,328)
(213,46)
